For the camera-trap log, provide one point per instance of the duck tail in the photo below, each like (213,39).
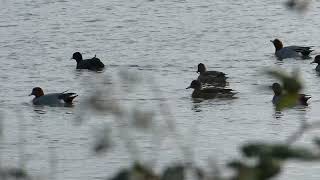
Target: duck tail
(304,99)
(97,62)
(68,97)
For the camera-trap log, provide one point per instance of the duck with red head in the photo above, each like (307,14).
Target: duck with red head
(317,60)
(93,64)
(215,78)
(282,52)
(52,99)
(209,92)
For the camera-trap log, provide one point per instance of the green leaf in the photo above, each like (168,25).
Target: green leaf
(290,82)
(287,101)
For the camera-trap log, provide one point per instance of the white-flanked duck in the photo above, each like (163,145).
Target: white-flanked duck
(209,92)
(52,99)
(317,60)
(290,51)
(93,64)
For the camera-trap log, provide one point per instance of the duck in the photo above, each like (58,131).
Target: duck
(52,99)
(211,77)
(93,64)
(209,92)
(278,95)
(290,51)
(317,60)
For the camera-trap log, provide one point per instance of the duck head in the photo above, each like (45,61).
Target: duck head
(277,44)
(276,87)
(195,84)
(37,91)
(77,56)
(316,59)
(201,68)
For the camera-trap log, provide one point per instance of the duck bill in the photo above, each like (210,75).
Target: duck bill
(188,87)
(312,62)
(271,41)
(30,94)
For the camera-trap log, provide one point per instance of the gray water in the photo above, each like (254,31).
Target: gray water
(158,40)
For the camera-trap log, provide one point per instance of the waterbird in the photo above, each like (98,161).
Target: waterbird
(317,60)
(216,78)
(282,52)
(279,95)
(52,99)
(93,64)
(209,92)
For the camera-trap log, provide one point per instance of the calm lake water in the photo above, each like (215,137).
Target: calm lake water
(158,40)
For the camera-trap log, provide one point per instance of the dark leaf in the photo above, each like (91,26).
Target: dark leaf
(122,175)
(174,173)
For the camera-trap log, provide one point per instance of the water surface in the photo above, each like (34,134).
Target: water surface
(162,41)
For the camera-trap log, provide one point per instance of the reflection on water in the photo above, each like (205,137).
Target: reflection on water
(277,114)
(40,110)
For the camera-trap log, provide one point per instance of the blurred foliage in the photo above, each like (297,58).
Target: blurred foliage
(291,87)
(268,162)
(260,161)
(299,5)
(13,173)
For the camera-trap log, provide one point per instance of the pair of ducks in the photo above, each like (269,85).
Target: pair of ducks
(294,51)
(217,81)
(65,99)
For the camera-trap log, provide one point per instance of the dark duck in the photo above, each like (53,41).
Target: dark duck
(209,92)
(317,60)
(215,78)
(93,64)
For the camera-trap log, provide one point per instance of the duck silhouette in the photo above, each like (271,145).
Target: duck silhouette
(282,52)
(52,99)
(93,64)
(215,78)
(317,60)
(209,92)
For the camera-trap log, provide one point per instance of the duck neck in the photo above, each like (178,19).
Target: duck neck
(78,60)
(202,72)
(277,93)
(195,93)
(197,89)
(39,94)
(278,48)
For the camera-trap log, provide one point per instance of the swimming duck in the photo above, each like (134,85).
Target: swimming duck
(290,51)
(317,60)
(93,64)
(278,94)
(210,92)
(52,99)
(211,77)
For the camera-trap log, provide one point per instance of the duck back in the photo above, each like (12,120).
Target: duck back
(55,99)
(92,64)
(51,99)
(286,52)
(209,93)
